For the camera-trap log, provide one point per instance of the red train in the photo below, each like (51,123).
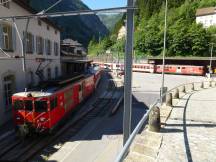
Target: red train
(42,111)
(152,68)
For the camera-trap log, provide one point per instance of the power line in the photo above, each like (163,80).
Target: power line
(70,13)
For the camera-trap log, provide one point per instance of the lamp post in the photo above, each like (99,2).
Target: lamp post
(163,89)
(128,73)
(210,63)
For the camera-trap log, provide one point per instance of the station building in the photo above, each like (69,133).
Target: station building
(42,53)
(206,16)
(73,58)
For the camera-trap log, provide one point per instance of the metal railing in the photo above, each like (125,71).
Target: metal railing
(137,129)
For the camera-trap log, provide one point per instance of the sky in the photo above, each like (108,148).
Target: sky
(97,4)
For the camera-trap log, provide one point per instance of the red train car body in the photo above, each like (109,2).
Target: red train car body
(152,68)
(181,69)
(41,111)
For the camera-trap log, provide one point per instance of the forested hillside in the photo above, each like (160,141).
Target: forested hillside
(80,28)
(184,36)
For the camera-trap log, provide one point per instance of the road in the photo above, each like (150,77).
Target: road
(101,139)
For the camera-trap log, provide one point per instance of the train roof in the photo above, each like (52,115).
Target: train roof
(49,87)
(180,65)
(33,93)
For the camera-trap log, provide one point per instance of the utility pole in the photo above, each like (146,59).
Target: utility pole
(164,52)
(210,64)
(128,73)
(23,48)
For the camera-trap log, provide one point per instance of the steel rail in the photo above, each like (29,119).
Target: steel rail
(69,13)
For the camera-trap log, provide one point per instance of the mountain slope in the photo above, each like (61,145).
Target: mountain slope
(109,20)
(81,28)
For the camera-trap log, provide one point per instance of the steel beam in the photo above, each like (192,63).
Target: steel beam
(128,73)
(69,13)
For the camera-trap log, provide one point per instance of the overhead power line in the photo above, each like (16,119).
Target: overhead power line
(70,13)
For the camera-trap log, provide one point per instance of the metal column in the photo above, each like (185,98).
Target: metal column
(128,73)
(23,48)
(164,51)
(210,64)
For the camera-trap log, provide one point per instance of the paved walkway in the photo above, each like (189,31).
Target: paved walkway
(190,131)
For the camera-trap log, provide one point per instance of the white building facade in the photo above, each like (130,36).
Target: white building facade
(42,47)
(206,16)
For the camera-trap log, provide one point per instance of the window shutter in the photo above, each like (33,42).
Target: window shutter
(33,43)
(1,36)
(45,46)
(51,48)
(14,38)
(36,47)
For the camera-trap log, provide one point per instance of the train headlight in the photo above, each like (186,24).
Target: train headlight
(42,119)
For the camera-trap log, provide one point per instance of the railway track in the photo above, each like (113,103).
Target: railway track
(14,149)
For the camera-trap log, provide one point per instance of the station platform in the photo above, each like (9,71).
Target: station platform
(188,135)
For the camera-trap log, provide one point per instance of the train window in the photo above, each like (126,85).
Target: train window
(183,67)
(18,105)
(80,87)
(28,105)
(178,67)
(200,68)
(40,106)
(53,103)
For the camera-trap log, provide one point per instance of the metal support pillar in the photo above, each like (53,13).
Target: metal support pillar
(210,64)
(164,48)
(128,73)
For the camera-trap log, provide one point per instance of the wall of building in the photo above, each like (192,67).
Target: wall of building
(11,66)
(207,20)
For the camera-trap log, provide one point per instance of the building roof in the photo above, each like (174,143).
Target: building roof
(182,58)
(70,42)
(206,11)
(77,61)
(23,4)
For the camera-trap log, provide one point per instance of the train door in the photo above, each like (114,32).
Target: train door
(80,91)
(178,70)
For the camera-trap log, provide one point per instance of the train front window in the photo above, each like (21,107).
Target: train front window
(28,105)
(18,105)
(40,106)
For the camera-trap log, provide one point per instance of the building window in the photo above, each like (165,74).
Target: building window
(39,22)
(31,79)
(8,83)
(49,74)
(56,72)
(48,47)
(48,27)
(5,3)
(29,43)
(56,49)
(71,49)
(40,45)
(56,32)
(7,37)
(79,52)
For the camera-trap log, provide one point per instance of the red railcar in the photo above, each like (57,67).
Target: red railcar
(42,111)
(181,69)
(150,68)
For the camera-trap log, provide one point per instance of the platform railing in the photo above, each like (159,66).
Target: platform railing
(201,85)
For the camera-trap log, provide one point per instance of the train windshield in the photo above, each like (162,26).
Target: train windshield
(40,106)
(23,105)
